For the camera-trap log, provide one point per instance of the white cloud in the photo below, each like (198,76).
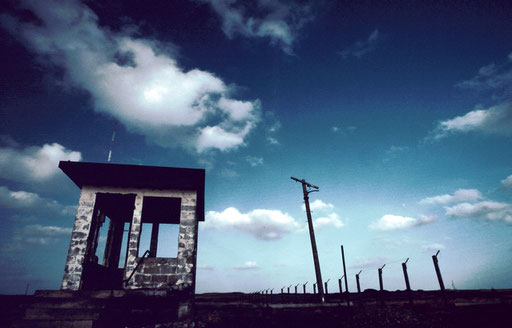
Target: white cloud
(395,222)
(23,200)
(279,21)
(254,161)
(147,91)
(249,265)
(361,48)
(486,209)
(507,182)
(206,267)
(327,218)
(261,223)
(461,195)
(331,220)
(317,204)
(39,235)
(35,163)
(494,120)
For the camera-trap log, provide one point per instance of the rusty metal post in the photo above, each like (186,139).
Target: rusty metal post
(406,276)
(438,272)
(305,191)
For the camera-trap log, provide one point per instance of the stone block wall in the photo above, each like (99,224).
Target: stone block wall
(163,273)
(78,245)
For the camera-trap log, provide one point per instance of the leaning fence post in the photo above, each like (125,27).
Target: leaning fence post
(357,281)
(438,272)
(381,286)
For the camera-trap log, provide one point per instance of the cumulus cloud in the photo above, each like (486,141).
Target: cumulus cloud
(494,120)
(361,48)
(135,80)
(460,195)
(40,235)
(493,211)
(326,215)
(261,223)
(331,220)
(507,182)
(317,204)
(279,21)
(23,200)
(390,222)
(249,265)
(35,163)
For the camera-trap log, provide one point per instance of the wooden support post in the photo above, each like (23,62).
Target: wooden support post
(154,239)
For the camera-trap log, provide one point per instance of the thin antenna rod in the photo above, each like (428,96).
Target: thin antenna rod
(112,142)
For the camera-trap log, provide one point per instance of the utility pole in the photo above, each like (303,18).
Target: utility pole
(380,278)
(438,272)
(406,276)
(306,189)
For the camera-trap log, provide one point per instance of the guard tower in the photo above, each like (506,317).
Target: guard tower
(121,201)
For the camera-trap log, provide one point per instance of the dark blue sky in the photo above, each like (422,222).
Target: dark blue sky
(401,111)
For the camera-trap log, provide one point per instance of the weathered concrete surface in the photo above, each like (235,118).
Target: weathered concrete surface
(78,245)
(163,273)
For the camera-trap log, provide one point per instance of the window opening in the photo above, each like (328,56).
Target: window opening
(124,245)
(168,236)
(145,238)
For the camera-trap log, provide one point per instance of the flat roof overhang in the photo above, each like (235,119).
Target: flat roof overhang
(137,177)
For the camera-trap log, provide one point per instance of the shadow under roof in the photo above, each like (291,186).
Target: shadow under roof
(137,177)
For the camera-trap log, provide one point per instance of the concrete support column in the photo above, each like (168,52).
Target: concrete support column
(187,241)
(78,246)
(133,240)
